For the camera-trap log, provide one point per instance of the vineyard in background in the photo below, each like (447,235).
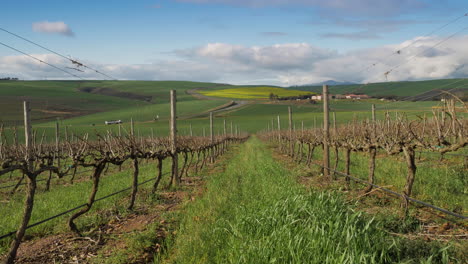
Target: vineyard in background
(443,133)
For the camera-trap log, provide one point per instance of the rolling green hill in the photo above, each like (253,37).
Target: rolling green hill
(65,99)
(414,90)
(84,106)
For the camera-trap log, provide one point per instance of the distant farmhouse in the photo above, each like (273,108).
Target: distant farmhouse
(342,96)
(357,96)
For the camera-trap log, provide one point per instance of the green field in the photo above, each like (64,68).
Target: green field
(93,109)
(52,100)
(395,89)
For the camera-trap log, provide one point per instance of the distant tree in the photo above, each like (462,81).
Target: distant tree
(273,97)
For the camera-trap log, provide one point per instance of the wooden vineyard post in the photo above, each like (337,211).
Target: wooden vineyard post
(302,128)
(173,137)
(132,126)
(191,130)
(279,131)
(291,142)
(225,128)
(337,157)
(334,121)
(31,189)
(231,130)
(66,133)
(28,134)
(326,133)
(211,136)
(56,155)
(372,154)
(373,116)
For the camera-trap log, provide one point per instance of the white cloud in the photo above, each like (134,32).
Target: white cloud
(58,27)
(281,64)
(275,57)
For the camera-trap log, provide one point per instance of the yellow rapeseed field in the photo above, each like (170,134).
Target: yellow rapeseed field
(257,92)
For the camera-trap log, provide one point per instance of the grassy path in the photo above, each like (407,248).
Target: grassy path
(256,212)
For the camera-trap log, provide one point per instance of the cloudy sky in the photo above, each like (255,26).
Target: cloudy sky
(279,42)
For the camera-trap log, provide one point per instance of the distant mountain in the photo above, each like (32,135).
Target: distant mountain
(329,82)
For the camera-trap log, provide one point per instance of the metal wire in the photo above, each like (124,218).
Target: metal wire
(13,185)
(396,194)
(76,208)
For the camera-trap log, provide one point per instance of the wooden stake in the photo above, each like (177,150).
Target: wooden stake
(291,143)
(326,133)
(302,128)
(173,136)
(211,136)
(279,130)
(57,136)
(28,134)
(225,129)
(211,128)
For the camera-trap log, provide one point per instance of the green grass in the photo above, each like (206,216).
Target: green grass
(254,92)
(255,212)
(62,99)
(61,198)
(441,183)
(256,116)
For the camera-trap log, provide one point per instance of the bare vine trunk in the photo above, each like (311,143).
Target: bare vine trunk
(96,177)
(28,207)
(371,177)
(198,161)
(347,166)
(184,166)
(156,183)
(410,156)
(47,188)
(73,176)
(337,159)
(192,154)
(136,172)
(17,185)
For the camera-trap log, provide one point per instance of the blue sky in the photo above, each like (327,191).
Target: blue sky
(244,41)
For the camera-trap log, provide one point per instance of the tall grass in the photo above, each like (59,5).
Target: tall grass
(256,212)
